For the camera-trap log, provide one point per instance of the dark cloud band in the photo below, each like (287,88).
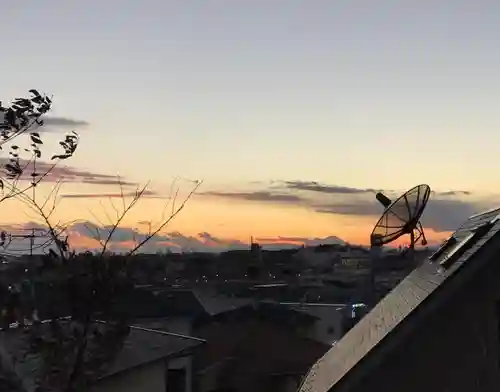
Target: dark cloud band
(445,211)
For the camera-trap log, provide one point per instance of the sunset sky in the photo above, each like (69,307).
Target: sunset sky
(291,112)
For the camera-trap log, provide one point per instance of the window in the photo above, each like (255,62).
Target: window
(176,380)
(452,249)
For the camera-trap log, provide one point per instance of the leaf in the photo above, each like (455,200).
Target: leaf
(10,167)
(64,156)
(34,92)
(38,153)
(14,147)
(36,140)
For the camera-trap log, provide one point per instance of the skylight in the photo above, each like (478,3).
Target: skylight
(453,248)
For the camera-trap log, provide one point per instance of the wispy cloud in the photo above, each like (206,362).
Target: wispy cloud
(317,187)
(256,196)
(146,193)
(58,124)
(64,122)
(440,214)
(313,186)
(452,193)
(67,174)
(445,211)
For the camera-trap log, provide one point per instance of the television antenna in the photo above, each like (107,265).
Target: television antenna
(401,217)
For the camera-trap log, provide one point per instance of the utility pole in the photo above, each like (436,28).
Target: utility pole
(31,236)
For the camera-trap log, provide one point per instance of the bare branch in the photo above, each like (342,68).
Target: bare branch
(126,210)
(110,221)
(166,221)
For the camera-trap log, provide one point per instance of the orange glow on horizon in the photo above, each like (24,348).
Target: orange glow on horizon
(225,221)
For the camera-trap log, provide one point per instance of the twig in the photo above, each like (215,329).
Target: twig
(167,221)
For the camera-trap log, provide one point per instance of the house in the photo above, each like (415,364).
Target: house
(260,348)
(176,310)
(437,331)
(331,321)
(151,361)
(148,361)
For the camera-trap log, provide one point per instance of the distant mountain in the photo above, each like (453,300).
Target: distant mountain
(331,240)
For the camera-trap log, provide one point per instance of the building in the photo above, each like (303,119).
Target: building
(438,330)
(255,349)
(331,321)
(151,361)
(240,334)
(176,310)
(148,361)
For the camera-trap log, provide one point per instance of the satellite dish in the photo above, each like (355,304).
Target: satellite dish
(401,217)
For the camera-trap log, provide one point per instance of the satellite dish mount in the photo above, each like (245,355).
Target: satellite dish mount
(401,217)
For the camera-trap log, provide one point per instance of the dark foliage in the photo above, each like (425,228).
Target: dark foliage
(66,318)
(22,117)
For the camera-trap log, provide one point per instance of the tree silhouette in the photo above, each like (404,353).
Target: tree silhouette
(22,118)
(71,315)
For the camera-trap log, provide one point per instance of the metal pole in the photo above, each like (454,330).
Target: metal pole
(374,256)
(32,240)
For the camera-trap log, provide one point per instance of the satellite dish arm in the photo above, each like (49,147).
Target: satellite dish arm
(383,199)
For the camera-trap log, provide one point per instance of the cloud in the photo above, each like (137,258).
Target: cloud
(256,196)
(313,186)
(64,122)
(82,236)
(146,193)
(55,124)
(452,193)
(445,212)
(439,215)
(67,174)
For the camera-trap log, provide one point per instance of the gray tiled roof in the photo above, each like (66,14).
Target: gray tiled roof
(147,345)
(140,347)
(214,303)
(351,356)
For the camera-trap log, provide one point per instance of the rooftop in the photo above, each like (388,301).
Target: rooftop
(468,249)
(141,346)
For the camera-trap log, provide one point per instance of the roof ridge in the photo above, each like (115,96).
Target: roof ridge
(165,333)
